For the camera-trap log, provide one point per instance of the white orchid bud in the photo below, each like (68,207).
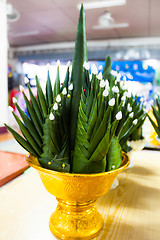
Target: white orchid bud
(100,67)
(86,65)
(55,106)
(131,115)
(123,98)
(112,102)
(70,87)
(135,121)
(11,109)
(99,76)
(102,83)
(129,94)
(58,98)
(94,69)
(115,89)
(124,78)
(129,108)
(119,115)
(68,64)
(14,100)
(64,92)
(58,62)
(118,77)
(21,88)
(26,80)
(51,116)
(105,93)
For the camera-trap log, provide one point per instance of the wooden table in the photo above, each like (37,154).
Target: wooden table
(11,166)
(132,211)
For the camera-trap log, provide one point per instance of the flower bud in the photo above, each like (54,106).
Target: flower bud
(86,65)
(119,115)
(55,106)
(112,102)
(51,116)
(64,92)
(135,121)
(70,87)
(58,98)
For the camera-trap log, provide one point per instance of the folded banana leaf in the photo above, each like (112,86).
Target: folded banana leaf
(114,156)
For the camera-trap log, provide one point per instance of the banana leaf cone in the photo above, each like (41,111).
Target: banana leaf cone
(114,156)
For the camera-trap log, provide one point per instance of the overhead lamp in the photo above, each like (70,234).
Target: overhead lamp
(102,4)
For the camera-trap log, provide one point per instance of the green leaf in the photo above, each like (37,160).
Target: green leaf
(33,116)
(56,89)
(35,105)
(114,156)
(30,126)
(27,134)
(49,92)
(77,76)
(25,144)
(41,99)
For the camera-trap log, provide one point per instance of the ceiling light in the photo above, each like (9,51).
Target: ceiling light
(12,14)
(102,4)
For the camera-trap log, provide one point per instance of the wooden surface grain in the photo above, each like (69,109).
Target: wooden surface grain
(131,211)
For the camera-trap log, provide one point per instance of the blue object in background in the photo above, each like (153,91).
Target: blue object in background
(132,70)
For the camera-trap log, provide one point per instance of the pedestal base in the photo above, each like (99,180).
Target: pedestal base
(81,221)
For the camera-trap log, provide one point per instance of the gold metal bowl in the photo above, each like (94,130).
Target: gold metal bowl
(76,215)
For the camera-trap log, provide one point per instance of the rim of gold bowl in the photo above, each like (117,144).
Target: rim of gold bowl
(35,164)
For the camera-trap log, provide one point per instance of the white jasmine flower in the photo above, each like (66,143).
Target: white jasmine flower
(111,102)
(58,62)
(64,92)
(86,65)
(107,83)
(135,121)
(68,64)
(113,166)
(55,106)
(14,100)
(102,83)
(94,69)
(129,108)
(21,88)
(58,98)
(105,93)
(100,67)
(11,109)
(26,80)
(99,76)
(123,98)
(48,66)
(71,86)
(128,94)
(119,115)
(115,89)
(121,83)
(51,116)
(118,77)
(155,97)
(123,103)
(124,78)
(131,115)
